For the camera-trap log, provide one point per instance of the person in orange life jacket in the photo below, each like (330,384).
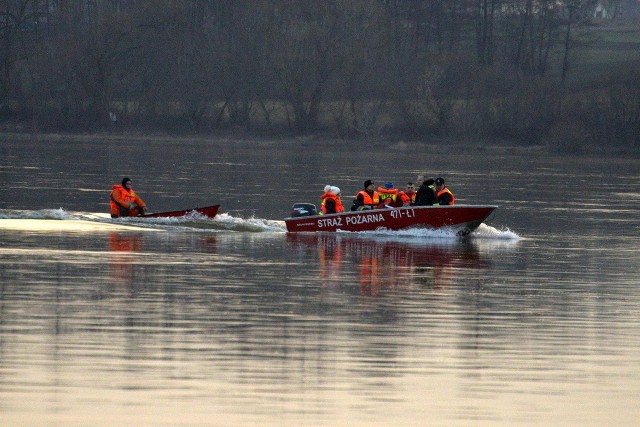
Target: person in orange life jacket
(408,196)
(389,196)
(445,197)
(367,198)
(125,201)
(331,202)
(426,195)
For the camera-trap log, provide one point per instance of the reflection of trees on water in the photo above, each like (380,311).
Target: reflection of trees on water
(373,283)
(125,249)
(267,309)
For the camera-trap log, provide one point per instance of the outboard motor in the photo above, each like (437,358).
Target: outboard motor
(304,209)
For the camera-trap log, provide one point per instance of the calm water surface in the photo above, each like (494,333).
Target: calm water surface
(533,320)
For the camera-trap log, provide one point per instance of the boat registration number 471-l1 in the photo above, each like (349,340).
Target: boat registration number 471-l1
(402,213)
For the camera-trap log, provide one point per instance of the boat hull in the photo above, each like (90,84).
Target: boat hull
(208,211)
(463,219)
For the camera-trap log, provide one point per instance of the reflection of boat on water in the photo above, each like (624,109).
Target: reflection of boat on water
(386,262)
(123,247)
(125,242)
(463,219)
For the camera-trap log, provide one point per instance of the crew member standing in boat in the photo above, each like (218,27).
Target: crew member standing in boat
(331,202)
(445,197)
(426,195)
(366,198)
(125,201)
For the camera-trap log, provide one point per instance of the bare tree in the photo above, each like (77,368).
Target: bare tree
(75,67)
(308,49)
(356,87)
(18,34)
(576,11)
(484,30)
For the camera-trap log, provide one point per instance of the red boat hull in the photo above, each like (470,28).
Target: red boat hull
(461,218)
(208,211)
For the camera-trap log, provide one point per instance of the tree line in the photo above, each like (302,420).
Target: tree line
(350,68)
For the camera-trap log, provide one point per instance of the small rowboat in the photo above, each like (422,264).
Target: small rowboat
(208,211)
(463,219)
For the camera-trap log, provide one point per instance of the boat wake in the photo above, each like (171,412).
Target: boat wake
(227,223)
(191,222)
(485,231)
(38,214)
(444,234)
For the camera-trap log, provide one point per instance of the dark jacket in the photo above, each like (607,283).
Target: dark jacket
(426,194)
(330,206)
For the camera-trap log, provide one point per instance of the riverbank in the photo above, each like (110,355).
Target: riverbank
(431,145)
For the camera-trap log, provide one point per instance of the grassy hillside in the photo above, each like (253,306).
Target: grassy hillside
(610,48)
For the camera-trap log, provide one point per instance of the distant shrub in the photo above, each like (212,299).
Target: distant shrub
(568,135)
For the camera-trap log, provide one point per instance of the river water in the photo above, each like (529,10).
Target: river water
(531,320)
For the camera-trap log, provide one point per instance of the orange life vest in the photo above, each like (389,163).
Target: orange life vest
(387,196)
(121,199)
(446,190)
(406,198)
(327,196)
(368,200)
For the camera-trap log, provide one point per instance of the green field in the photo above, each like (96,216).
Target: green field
(609,49)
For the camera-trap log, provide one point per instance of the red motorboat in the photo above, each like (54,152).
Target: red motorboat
(463,219)
(208,211)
